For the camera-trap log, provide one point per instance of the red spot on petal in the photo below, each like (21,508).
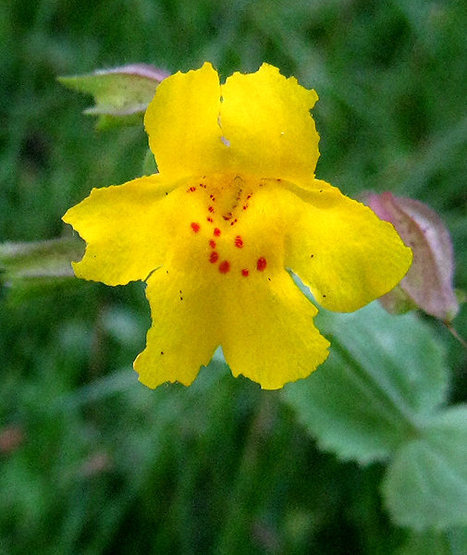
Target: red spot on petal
(195,227)
(209,220)
(224,266)
(214,257)
(261,264)
(217,232)
(192,189)
(211,209)
(245,272)
(212,244)
(245,206)
(238,242)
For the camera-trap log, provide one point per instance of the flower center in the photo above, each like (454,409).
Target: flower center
(224,232)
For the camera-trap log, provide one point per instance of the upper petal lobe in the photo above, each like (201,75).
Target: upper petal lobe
(266,119)
(182,124)
(255,124)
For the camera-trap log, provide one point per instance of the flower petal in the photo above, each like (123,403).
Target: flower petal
(341,249)
(185,330)
(269,334)
(256,124)
(125,228)
(266,120)
(182,123)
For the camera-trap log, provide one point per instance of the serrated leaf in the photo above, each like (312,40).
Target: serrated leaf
(121,94)
(385,374)
(426,484)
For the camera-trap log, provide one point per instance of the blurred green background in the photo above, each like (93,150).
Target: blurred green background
(93,462)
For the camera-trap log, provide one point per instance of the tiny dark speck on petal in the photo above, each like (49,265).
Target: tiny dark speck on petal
(162,352)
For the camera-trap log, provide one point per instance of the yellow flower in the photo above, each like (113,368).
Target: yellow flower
(234,207)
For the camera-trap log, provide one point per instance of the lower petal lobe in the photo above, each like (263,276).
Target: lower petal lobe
(185,330)
(125,228)
(268,333)
(341,249)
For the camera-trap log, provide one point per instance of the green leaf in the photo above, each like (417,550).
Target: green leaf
(384,376)
(149,163)
(426,484)
(450,542)
(38,261)
(121,94)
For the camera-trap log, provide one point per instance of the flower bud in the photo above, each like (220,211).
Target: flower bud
(121,94)
(428,283)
